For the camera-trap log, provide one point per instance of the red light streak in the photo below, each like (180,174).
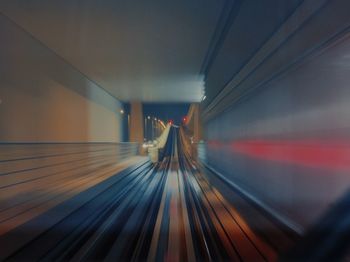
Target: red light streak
(312,153)
(333,154)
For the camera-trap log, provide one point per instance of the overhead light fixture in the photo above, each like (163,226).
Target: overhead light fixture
(148,117)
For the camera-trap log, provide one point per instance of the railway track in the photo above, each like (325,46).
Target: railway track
(163,212)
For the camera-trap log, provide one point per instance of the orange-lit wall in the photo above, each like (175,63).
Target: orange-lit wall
(44,98)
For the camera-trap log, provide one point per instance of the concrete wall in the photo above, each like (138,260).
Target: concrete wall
(279,124)
(44,98)
(288,142)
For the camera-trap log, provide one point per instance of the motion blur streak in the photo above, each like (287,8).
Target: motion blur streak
(313,153)
(163,212)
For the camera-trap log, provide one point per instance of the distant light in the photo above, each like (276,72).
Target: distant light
(148,117)
(184,119)
(155,119)
(121,111)
(204,97)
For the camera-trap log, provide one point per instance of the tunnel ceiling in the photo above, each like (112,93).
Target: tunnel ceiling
(168,51)
(136,50)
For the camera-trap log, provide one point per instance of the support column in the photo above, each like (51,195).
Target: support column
(194,124)
(136,123)
(197,124)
